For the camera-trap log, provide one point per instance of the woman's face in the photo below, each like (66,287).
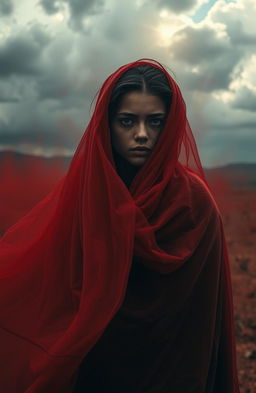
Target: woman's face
(138,123)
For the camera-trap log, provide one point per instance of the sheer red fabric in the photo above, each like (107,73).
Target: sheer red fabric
(65,265)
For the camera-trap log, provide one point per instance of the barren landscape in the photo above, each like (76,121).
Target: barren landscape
(25,180)
(240,229)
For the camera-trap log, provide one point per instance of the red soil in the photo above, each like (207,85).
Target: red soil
(28,181)
(239,217)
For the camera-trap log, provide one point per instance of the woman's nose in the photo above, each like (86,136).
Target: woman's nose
(142,130)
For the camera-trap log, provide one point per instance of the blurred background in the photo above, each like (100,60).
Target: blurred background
(54,56)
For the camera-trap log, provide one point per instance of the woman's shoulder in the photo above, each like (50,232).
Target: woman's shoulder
(201,194)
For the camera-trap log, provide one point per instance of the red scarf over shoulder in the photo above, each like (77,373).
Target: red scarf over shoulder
(64,267)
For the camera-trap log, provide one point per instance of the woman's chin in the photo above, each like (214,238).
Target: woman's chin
(137,161)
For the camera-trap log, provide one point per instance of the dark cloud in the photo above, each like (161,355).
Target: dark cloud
(8,92)
(47,107)
(8,97)
(50,6)
(246,99)
(78,9)
(238,35)
(39,35)
(34,122)
(194,46)
(225,148)
(222,117)
(207,78)
(236,127)
(6,7)
(55,83)
(176,6)
(22,137)
(82,7)
(238,28)
(44,95)
(20,54)
(65,79)
(206,59)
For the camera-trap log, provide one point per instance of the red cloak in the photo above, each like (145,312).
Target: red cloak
(131,286)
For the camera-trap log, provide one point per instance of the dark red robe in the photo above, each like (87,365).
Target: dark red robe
(171,332)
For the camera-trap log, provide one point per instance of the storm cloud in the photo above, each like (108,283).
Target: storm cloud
(245,99)
(50,6)
(78,10)
(176,6)
(21,53)
(208,59)
(54,60)
(6,7)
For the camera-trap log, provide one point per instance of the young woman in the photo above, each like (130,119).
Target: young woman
(119,280)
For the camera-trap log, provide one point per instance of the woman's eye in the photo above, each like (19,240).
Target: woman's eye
(126,122)
(156,122)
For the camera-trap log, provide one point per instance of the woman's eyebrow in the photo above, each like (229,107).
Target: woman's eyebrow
(134,115)
(126,114)
(156,114)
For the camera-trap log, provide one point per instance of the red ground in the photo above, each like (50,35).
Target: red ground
(239,217)
(28,181)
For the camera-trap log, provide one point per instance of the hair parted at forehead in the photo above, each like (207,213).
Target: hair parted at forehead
(145,78)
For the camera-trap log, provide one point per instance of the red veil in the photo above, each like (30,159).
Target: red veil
(65,265)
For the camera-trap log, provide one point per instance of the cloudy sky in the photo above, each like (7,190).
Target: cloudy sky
(55,54)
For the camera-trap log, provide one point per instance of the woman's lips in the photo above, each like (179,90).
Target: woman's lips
(140,152)
(140,148)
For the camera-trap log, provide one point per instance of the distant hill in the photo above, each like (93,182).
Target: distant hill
(239,175)
(21,159)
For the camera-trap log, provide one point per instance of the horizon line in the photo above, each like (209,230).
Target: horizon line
(68,153)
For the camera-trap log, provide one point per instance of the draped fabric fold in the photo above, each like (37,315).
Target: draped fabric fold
(70,268)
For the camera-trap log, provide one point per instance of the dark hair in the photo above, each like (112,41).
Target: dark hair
(144,78)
